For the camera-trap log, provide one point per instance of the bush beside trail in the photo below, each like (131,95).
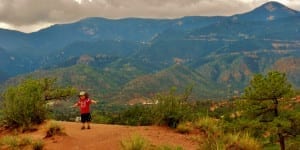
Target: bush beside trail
(167,109)
(25,105)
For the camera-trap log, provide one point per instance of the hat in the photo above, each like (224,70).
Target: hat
(82,93)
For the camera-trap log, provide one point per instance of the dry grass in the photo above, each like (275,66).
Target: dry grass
(20,143)
(241,141)
(209,126)
(185,128)
(54,129)
(38,145)
(135,142)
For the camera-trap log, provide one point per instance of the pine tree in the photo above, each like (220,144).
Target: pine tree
(266,93)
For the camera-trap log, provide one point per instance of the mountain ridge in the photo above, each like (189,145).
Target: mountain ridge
(219,53)
(267,12)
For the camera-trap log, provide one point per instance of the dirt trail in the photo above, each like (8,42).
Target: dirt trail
(108,137)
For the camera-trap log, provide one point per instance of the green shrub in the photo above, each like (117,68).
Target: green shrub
(135,142)
(25,104)
(98,117)
(137,115)
(168,109)
(171,109)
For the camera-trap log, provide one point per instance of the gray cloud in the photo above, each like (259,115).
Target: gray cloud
(32,13)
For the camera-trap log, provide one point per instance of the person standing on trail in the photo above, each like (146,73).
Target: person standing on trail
(84,103)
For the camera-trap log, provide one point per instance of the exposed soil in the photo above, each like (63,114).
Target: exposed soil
(109,137)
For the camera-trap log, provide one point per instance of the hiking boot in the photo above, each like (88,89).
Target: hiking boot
(82,128)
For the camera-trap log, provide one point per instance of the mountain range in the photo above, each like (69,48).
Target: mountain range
(134,58)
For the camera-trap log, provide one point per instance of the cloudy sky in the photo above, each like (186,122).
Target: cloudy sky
(32,15)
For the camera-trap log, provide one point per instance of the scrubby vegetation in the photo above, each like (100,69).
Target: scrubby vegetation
(265,117)
(25,105)
(166,109)
(16,142)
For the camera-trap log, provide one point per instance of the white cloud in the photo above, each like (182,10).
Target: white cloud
(29,15)
(25,28)
(6,26)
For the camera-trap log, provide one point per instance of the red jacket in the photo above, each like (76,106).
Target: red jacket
(84,105)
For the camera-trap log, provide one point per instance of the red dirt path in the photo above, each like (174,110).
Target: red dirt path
(108,137)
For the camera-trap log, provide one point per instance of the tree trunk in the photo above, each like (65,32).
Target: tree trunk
(281,137)
(276,110)
(281,141)
(275,107)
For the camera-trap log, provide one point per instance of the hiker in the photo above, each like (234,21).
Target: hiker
(84,105)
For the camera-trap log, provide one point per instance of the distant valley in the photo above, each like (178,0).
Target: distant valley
(128,60)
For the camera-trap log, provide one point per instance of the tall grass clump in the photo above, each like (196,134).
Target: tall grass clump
(185,127)
(209,126)
(135,142)
(231,141)
(38,145)
(241,141)
(212,144)
(11,142)
(54,129)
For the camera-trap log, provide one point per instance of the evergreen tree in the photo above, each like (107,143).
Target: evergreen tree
(266,92)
